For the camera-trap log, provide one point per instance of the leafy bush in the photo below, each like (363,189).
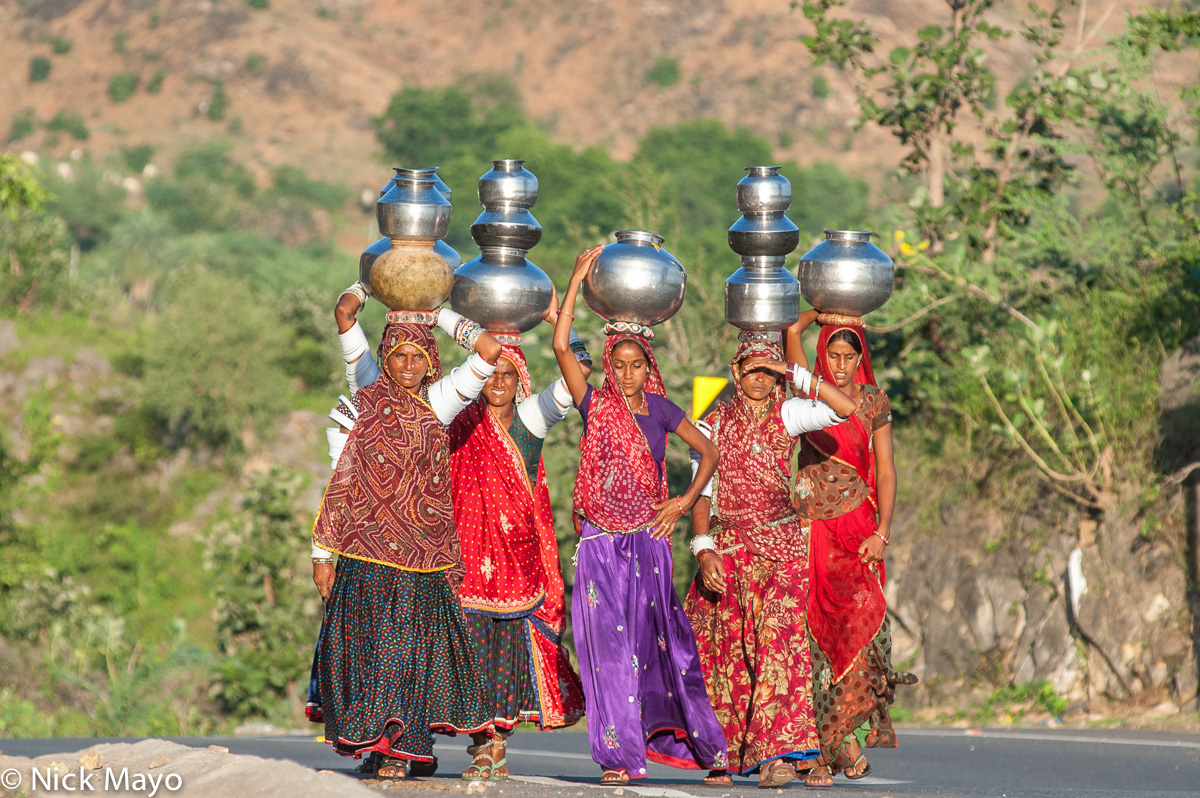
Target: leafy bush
(267,610)
(122,86)
(137,157)
(60,45)
(22,125)
(259,4)
(664,73)
(213,365)
(39,69)
(820,86)
(68,123)
(90,205)
(218,103)
(154,86)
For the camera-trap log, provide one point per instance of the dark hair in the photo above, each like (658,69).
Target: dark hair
(847,337)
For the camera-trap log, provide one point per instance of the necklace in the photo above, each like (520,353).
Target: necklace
(641,404)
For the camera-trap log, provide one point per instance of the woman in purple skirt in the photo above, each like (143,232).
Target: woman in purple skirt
(644,689)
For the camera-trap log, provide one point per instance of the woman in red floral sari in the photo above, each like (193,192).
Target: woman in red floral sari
(846,486)
(747,605)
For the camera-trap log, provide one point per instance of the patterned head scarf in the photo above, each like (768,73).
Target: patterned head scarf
(397,334)
(618,479)
(752,343)
(514,355)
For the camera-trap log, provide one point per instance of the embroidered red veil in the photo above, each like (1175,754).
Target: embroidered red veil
(618,482)
(845,602)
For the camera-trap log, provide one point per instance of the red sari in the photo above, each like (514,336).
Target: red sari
(510,555)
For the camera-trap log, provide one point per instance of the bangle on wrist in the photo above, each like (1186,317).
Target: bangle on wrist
(886,542)
(322,560)
(703,543)
(679,504)
(570,316)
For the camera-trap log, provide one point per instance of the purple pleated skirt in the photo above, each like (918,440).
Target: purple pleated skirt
(637,658)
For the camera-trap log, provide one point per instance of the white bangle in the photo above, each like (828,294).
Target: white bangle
(354,343)
(446,319)
(800,376)
(359,290)
(703,543)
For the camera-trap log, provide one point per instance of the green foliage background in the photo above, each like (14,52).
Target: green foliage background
(211,302)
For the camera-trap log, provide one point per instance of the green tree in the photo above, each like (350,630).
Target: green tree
(213,365)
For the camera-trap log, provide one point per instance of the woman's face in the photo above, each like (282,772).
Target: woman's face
(407,366)
(757,382)
(843,362)
(630,365)
(500,389)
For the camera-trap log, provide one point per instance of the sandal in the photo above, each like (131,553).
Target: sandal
(370,764)
(392,769)
(775,773)
(423,769)
(820,777)
(854,766)
(482,762)
(718,778)
(611,777)
(499,766)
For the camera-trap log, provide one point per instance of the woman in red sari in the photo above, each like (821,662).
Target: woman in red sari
(747,605)
(512,593)
(846,487)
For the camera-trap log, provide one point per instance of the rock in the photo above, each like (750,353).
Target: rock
(219,749)
(162,761)
(8,337)
(91,760)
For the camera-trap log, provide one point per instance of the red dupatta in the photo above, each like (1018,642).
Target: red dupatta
(845,602)
(504,523)
(618,482)
(389,500)
(754,473)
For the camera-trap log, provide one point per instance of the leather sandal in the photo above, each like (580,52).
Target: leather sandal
(819,778)
(391,769)
(775,773)
(718,778)
(482,762)
(614,778)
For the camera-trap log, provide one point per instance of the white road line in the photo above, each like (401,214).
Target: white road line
(1048,738)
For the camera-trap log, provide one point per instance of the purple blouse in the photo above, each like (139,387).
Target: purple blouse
(663,417)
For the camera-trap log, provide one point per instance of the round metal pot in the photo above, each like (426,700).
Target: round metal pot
(636,280)
(506,226)
(424,173)
(762,295)
(766,233)
(413,210)
(367,259)
(763,189)
(846,274)
(502,290)
(508,183)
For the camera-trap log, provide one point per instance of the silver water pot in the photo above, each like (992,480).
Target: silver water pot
(763,189)
(762,295)
(413,210)
(846,274)
(502,290)
(508,183)
(424,173)
(636,280)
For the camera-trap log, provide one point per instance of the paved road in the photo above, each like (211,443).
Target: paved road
(930,762)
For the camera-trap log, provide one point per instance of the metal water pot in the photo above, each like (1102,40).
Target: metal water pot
(508,183)
(846,274)
(502,290)
(636,280)
(413,210)
(424,173)
(762,295)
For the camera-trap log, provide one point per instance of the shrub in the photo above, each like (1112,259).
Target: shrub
(820,86)
(39,69)
(254,62)
(122,86)
(64,122)
(136,158)
(218,103)
(259,4)
(156,81)
(22,125)
(119,42)
(60,45)
(665,72)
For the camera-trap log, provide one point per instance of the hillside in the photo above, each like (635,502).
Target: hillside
(302,79)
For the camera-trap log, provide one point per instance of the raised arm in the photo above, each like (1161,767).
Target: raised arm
(361,368)
(671,510)
(793,348)
(572,370)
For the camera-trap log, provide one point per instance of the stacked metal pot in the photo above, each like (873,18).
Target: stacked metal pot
(762,294)
(636,281)
(501,288)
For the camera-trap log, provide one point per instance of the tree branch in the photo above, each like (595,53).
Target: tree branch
(922,312)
